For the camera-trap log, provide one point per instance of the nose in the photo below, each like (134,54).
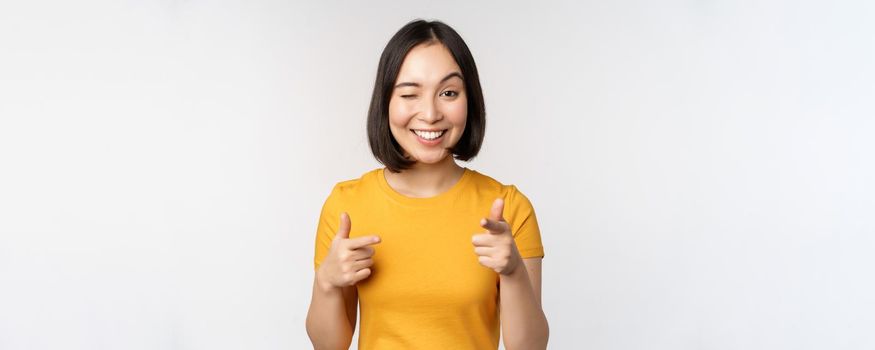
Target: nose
(430,112)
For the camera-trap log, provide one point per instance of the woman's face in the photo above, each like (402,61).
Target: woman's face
(428,108)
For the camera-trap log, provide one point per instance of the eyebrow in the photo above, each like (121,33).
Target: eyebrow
(453,74)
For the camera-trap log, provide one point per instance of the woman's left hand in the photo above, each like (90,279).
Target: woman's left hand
(496,249)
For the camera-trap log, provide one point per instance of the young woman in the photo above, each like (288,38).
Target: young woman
(437,255)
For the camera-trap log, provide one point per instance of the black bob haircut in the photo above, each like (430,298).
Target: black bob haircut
(383,145)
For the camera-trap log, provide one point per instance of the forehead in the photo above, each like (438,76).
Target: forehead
(427,63)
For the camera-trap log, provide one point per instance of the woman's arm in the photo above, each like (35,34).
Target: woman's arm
(332,316)
(523,323)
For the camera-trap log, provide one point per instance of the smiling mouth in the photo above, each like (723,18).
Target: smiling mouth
(429,135)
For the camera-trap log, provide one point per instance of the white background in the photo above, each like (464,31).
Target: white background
(702,170)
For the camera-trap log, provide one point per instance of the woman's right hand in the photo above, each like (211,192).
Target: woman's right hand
(348,260)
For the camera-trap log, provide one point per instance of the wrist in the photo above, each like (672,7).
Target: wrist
(323,284)
(517,263)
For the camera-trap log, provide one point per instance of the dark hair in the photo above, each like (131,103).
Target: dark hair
(383,145)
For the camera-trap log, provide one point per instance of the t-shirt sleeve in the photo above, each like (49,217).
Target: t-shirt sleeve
(524,224)
(326,229)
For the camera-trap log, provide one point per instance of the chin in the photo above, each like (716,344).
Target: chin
(432,159)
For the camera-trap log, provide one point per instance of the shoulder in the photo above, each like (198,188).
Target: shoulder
(353,187)
(489,185)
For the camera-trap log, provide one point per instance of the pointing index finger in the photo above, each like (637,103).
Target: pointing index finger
(358,242)
(493,226)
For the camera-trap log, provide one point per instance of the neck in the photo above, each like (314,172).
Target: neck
(426,180)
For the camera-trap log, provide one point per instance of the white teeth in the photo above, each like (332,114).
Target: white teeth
(429,135)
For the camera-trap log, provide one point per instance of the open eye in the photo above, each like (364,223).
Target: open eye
(451,93)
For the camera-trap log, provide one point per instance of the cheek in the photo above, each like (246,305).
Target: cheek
(399,114)
(457,113)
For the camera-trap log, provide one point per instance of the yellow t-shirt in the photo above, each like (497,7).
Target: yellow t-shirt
(427,289)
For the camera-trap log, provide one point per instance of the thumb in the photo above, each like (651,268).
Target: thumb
(497,209)
(345,225)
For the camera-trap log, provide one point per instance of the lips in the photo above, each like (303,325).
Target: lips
(429,138)
(429,135)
